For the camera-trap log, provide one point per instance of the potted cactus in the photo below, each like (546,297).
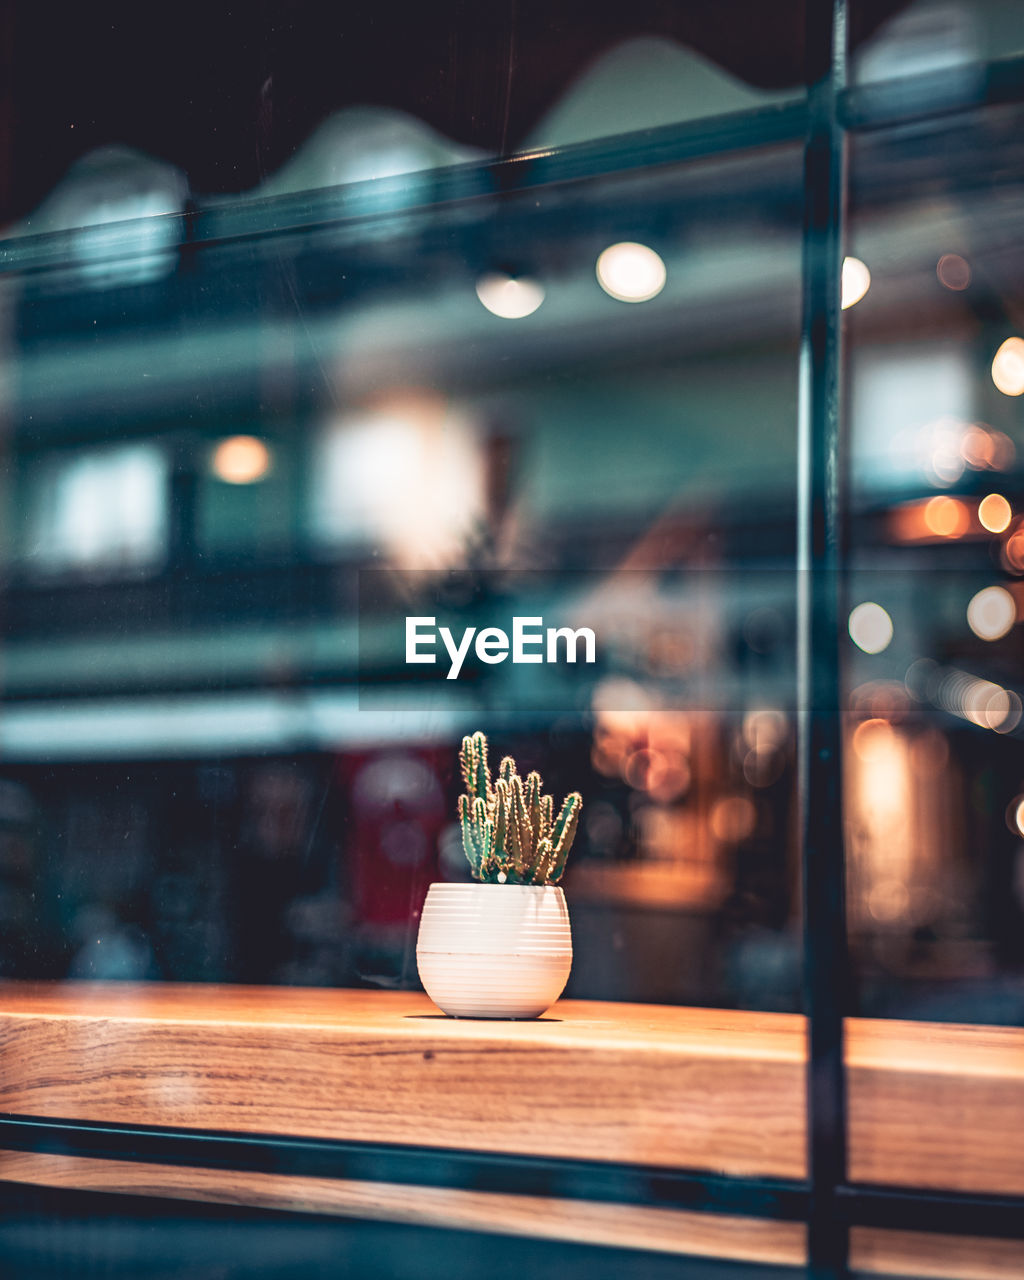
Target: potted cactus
(501,947)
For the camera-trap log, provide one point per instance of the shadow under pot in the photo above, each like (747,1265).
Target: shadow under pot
(494,950)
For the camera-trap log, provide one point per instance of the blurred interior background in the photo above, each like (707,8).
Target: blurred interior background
(266,321)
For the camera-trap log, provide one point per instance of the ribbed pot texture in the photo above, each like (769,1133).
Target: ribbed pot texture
(494,950)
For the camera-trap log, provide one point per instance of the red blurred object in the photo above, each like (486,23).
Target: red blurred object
(397,806)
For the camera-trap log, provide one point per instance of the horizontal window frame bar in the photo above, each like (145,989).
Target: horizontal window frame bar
(928,95)
(936,1212)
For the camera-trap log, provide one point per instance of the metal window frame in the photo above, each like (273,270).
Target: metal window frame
(828,1201)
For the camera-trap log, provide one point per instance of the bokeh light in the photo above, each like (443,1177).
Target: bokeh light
(406,472)
(946,517)
(1013,551)
(977,448)
(870,627)
(241,460)
(765,729)
(1008,367)
(983,702)
(995,513)
(1005,451)
(510,297)
(631,272)
(888,900)
(765,732)
(945,464)
(732,819)
(990,706)
(991,613)
(856,281)
(954,272)
(872,737)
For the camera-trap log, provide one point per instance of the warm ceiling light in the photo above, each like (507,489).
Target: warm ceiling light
(953,271)
(856,281)
(870,627)
(241,460)
(631,272)
(510,297)
(995,513)
(1008,367)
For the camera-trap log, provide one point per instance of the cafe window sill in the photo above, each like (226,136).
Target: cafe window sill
(714,1090)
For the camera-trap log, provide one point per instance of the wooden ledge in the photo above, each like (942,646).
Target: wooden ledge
(644,1084)
(721,1090)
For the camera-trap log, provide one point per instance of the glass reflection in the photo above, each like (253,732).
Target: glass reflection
(229,775)
(934,729)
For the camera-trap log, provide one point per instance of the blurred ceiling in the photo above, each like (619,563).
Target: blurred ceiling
(228,92)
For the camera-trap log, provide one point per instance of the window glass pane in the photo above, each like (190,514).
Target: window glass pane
(578,402)
(933,770)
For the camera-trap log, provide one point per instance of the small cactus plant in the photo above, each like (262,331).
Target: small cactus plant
(509,830)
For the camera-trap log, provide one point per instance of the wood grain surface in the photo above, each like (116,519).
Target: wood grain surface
(616,1225)
(674,1087)
(936,1105)
(931,1104)
(934,1257)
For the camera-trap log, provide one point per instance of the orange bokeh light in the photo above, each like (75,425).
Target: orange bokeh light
(946,517)
(241,460)
(1013,551)
(995,513)
(1008,367)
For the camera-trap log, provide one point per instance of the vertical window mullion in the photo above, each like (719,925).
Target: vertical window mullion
(819,552)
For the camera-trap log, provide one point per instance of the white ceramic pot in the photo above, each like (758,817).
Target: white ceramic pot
(494,950)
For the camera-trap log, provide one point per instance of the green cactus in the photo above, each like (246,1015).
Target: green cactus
(475,773)
(509,831)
